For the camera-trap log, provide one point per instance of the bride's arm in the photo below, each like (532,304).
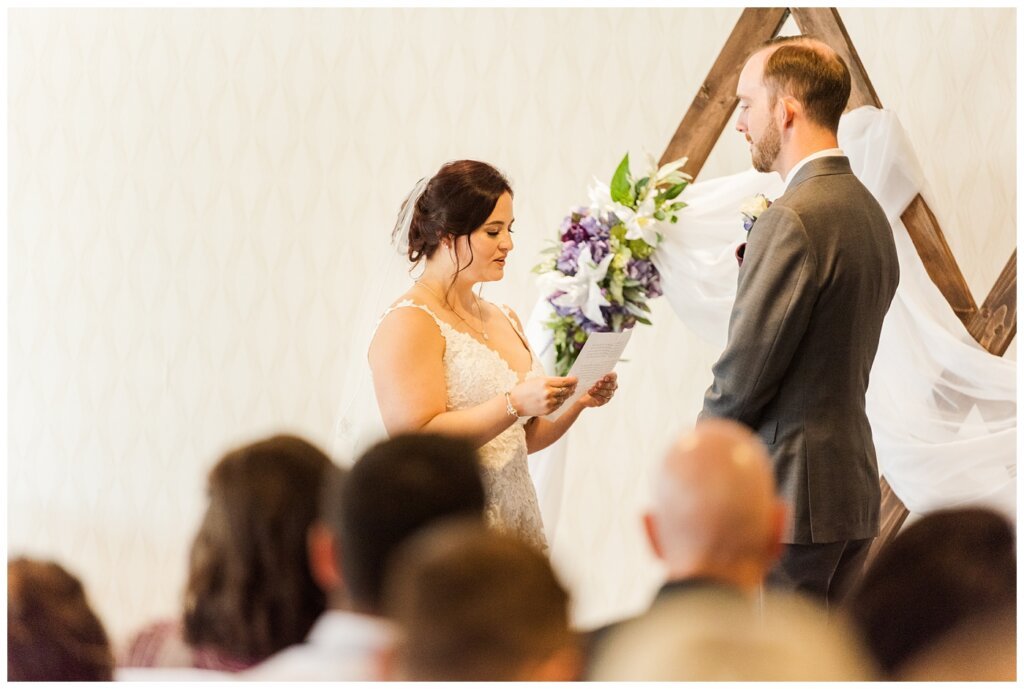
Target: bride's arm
(406,357)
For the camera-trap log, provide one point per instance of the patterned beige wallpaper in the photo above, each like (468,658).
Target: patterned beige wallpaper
(197,197)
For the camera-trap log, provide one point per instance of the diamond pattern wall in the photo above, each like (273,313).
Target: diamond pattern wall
(197,197)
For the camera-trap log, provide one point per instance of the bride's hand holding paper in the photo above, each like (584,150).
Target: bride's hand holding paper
(602,391)
(542,395)
(593,368)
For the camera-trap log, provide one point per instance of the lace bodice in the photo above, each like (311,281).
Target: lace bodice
(475,373)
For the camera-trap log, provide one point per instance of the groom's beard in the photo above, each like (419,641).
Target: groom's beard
(767,149)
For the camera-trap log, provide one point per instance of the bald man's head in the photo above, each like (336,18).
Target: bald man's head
(715,505)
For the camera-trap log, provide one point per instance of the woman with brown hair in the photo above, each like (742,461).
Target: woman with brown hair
(52,633)
(444,360)
(249,592)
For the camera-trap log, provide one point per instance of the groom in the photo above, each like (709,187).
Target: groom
(816,279)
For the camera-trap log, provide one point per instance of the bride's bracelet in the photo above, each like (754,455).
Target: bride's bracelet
(509,407)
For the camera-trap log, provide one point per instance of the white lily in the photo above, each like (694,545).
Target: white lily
(641,223)
(600,197)
(668,168)
(652,165)
(582,290)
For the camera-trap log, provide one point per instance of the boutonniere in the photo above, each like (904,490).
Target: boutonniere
(752,209)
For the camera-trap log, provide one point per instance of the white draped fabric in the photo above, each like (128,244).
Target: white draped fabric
(942,409)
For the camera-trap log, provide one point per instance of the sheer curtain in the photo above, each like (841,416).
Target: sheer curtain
(942,409)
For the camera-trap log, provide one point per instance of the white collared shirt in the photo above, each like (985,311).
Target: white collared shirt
(814,156)
(341,646)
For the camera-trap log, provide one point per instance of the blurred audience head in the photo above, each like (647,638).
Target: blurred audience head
(983,649)
(394,489)
(715,511)
(713,636)
(477,605)
(250,592)
(322,543)
(52,633)
(938,572)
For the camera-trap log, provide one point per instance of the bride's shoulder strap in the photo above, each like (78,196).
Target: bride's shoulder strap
(409,303)
(513,320)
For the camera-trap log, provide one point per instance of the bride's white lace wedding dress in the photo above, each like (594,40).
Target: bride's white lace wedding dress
(474,374)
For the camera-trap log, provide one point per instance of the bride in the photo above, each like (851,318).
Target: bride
(445,361)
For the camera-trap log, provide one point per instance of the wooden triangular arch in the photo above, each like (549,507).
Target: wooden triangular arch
(993,325)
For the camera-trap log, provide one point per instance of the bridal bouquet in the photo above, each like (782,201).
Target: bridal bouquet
(600,275)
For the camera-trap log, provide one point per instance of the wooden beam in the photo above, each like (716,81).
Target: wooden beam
(893,514)
(937,258)
(825,24)
(716,100)
(995,324)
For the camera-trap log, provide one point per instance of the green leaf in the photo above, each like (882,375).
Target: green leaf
(642,320)
(621,188)
(659,215)
(615,292)
(640,249)
(675,191)
(563,364)
(641,186)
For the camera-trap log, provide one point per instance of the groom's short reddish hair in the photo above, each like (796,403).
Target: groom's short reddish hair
(811,72)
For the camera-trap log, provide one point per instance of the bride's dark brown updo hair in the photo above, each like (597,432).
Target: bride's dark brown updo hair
(456,201)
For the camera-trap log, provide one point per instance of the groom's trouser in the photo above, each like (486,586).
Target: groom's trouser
(826,571)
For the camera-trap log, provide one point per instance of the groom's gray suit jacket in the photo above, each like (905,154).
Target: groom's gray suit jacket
(817,278)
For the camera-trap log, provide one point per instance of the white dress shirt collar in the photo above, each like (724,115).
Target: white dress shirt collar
(814,156)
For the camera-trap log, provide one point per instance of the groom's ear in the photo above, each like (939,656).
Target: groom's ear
(788,108)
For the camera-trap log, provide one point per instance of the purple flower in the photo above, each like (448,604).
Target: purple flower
(568,260)
(592,227)
(599,248)
(573,231)
(644,272)
(581,228)
(575,313)
(628,320)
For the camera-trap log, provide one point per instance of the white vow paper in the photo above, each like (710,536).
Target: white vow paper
(597,358)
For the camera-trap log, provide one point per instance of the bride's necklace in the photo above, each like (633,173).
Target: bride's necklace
(482,329)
